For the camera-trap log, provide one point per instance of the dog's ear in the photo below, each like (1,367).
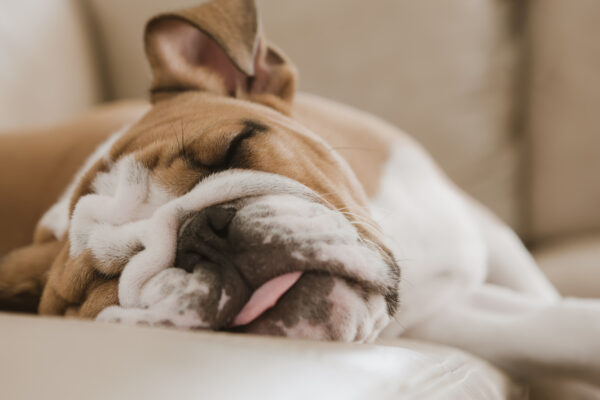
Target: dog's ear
(217,47)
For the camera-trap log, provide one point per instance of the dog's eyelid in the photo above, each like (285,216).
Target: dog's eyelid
(251,128)
(190,159)
(235,143)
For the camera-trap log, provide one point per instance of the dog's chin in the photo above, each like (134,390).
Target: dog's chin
(316,305)
(321,306)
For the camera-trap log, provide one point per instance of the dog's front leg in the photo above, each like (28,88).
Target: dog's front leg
(23,274)
(509,264)
(524,334)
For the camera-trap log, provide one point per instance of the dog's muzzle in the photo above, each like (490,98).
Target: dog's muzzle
(211,241)
(274,264)
(244,251)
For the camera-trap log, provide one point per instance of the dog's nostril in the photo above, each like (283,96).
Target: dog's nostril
(200,237)
(219,219)
(188,260)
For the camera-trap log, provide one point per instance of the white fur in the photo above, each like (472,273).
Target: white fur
(467,281)
(223,300)
(56,219)
(364,318)
(427,225)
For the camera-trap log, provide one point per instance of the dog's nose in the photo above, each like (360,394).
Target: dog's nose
(219,219)
(204,251)
(204,237)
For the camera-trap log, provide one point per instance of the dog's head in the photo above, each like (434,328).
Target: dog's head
(217,209)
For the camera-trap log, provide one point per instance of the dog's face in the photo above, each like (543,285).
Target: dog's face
(217,210)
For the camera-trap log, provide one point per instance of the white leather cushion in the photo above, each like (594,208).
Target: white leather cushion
(58,359)
(47,67)
(444,70)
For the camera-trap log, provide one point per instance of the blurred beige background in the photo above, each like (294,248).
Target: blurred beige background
(504,93)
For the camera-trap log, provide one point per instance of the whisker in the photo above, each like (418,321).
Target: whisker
(378,341)
(358,219)
(176,136)
(396,319)
(353,148)
(365,224)
(182,137)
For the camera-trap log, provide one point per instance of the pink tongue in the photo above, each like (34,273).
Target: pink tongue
(265,297)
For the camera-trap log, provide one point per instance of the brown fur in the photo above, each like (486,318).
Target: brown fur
(194,111)
(36,166)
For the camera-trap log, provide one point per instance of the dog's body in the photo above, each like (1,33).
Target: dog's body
(340,220)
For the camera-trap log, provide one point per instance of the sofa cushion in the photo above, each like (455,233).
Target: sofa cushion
(48,67)
(564,122)
(53,358)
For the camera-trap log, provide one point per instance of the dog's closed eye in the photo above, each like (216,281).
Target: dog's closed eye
(251,128)
(193,159)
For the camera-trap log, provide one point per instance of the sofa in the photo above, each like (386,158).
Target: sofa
(503,93)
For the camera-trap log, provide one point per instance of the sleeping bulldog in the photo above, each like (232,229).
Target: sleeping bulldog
(233,203)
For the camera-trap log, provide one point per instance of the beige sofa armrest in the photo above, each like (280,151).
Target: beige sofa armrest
(68,359)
